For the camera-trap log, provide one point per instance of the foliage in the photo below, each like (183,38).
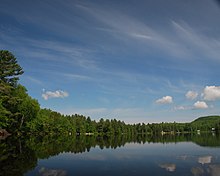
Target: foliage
(207,123)
(16,106)
(16,158)
(9,68)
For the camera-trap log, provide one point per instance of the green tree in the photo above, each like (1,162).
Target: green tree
(9,68)
(5,102)
(100,126)
(16,106)
(9,72)
(90,126)
(25,108)
(4,120)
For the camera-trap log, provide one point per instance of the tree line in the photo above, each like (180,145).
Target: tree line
(21,114)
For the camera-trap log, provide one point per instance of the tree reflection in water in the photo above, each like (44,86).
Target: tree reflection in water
(16,158)
(20,155)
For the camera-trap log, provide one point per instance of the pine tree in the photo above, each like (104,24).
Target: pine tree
(9,68)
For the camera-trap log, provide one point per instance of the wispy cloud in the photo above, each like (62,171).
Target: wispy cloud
(180,108)
(141,36)
(201,44)
(33,80)
(75,76)
(124,26)
(51,50)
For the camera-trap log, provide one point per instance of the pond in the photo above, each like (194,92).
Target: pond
(114,155)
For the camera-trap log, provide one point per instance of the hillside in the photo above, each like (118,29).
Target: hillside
(207,122)
(207,119)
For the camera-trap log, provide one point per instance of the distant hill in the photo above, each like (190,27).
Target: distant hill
(207,119)
(207,122)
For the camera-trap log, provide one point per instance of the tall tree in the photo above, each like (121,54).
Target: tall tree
(9,72)
(9,68)
(16,107)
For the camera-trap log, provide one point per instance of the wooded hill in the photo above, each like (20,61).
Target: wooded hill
(207,123)
(207,119)
(21,114)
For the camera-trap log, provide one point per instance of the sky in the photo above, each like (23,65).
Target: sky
(133,60)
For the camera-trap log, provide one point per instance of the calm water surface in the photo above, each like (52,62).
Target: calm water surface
(82,156)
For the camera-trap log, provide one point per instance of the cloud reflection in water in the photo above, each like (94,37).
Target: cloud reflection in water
(214,170)
(197,171)
(52,172)
(168,166)
(205,159)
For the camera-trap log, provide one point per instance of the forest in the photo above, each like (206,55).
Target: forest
(21,114)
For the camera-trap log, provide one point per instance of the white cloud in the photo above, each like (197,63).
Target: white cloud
(211,93)
(191,95)
(165,100)
(200,105)
(56,94)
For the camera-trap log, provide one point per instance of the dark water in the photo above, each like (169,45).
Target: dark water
(197,155)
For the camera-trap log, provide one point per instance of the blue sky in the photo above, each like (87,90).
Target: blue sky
(137,61)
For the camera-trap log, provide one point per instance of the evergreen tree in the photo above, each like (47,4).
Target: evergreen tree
(9,68)
(16,106)
(9,72)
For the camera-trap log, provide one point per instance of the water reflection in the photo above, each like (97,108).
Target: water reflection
(52,172)
(16,158)
(214,170)
(205,159)
(169,167)
(205,168)
(20,156)
(197,171)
